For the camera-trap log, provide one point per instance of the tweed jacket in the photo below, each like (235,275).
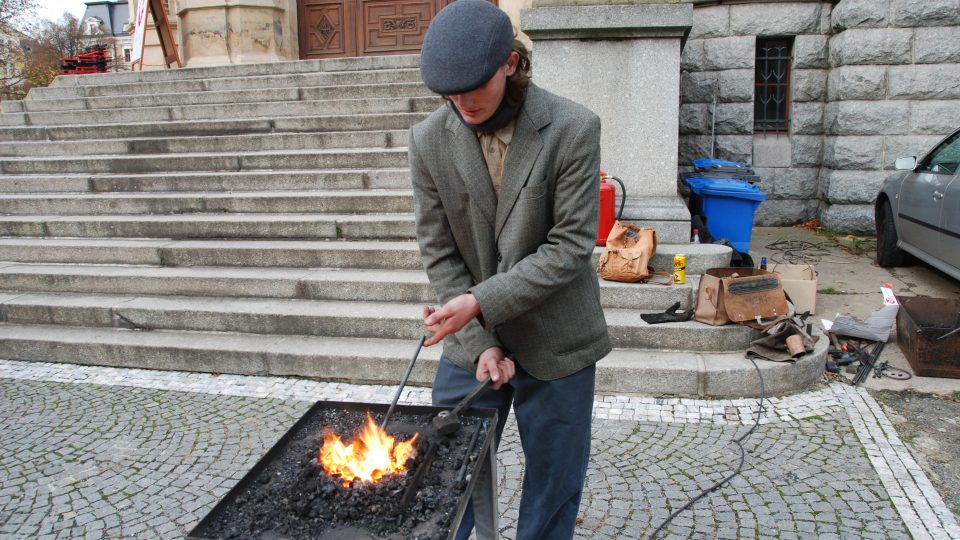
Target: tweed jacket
(526,257)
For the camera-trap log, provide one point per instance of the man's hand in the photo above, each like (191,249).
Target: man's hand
(450,318)
(494,364)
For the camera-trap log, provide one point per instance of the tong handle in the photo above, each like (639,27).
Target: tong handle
(403,382)
(466,402)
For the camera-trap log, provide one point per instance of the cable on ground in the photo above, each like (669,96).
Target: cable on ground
(739,469)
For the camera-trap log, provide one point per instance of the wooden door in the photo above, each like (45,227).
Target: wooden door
(339,28)
(326,28)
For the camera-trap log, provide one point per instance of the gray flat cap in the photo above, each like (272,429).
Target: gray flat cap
(465,44)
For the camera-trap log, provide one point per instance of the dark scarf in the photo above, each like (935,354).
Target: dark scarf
(505,113)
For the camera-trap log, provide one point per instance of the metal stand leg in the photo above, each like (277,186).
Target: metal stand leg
(485,499)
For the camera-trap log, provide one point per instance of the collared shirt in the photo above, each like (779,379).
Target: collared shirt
(494,147)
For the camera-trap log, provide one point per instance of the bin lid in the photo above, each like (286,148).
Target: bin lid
(696,182)
(710,163)
(722,187)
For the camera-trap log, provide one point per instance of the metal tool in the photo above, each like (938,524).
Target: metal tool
(403,382)
(448,422)
(950,333)
(868,362)
(468,457)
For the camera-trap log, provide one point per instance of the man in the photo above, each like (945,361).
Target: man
(505,182)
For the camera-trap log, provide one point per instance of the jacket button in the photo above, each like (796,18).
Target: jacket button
(499,257)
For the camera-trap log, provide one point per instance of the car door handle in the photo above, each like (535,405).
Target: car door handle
(937,195)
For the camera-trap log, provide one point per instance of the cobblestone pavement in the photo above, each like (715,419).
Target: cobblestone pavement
(89,452)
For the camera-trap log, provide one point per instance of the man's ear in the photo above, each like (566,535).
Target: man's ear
(512,62)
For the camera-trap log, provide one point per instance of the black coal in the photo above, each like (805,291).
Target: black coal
(291,497)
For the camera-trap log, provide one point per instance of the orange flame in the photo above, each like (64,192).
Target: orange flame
(370,456)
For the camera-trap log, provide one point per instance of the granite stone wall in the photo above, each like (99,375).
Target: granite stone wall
(893,90)
(871,80)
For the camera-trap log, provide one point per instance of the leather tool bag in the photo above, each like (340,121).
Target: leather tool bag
(742,295)
(628,253)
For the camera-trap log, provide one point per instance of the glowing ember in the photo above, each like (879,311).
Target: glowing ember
(370,456)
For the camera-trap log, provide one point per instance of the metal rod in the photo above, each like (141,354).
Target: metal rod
(868,361)
(462,473)
(950,333)
(403,382)
(418,477)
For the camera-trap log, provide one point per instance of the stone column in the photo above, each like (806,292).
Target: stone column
(220,32)
(623,62)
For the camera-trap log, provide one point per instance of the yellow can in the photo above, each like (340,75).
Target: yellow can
(679,268)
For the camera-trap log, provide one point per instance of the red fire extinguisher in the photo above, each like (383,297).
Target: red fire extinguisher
(607,204)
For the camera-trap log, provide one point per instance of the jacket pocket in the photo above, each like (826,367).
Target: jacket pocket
(533,192)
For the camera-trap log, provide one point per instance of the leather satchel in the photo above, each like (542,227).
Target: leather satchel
(741,295)
(628,253)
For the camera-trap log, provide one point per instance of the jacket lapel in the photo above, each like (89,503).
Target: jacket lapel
(521,154)
(472,168)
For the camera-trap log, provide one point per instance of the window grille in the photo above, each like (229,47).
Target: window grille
(771,111)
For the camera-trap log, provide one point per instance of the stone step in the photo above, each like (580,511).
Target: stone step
(120,85)
(331,179)
(175,204)
(395,255)
(223,111)
(354,158)
(209,144)
(215,226)
(309,283)
(383,361)
(213,127)
(390,320)
(364,63)
(259,253)
(213,97)
(332,65)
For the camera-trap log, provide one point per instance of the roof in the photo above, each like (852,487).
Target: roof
(113,13)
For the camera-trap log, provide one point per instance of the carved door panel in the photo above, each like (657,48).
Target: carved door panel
(337,28)
(326,28)
(389,26)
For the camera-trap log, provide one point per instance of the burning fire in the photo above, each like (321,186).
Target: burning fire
(370,456)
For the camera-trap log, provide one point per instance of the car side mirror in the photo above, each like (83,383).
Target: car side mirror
(907,163)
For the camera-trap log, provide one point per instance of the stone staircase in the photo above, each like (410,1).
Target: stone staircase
(258,219)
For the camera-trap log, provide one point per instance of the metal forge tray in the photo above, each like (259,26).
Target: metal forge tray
(209,526)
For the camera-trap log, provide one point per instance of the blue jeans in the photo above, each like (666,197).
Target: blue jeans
(554,419)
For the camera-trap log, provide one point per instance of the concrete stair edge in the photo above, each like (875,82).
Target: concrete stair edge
(290,253)
(200,144)
(335,318)
(177,252)
(204,127)
(400,61)
(381,361)
(188,182)
(266,109)
(293,283)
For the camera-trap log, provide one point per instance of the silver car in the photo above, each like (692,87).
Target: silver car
(918,210)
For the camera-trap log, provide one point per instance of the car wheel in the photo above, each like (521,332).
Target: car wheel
(888,254)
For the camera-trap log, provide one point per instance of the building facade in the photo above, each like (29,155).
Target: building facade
(107,22)
(218,32)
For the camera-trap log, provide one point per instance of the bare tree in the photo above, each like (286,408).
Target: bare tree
(15,13)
